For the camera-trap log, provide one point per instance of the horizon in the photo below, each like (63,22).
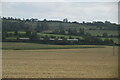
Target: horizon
(57,20)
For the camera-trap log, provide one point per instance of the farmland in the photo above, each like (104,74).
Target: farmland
(92,32)
(32,46)
(60,63)
(59,49)
(14,28)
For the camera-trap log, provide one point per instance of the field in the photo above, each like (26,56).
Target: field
(100,32)
(58,35)
(60,63)
(33,46)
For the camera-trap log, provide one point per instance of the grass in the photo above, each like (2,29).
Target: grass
(11,38)
(114,39)
(100,32)
(57,35)
(64,63)
(32,46)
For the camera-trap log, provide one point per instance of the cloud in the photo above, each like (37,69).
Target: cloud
(59,0)
(79,11)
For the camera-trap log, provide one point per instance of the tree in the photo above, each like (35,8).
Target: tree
(65,20)
(74,31)
(34,36)
(56,31)
(39,28)
(28,33)
(83,22)
(16,33)
(105,35)
(61,28)
(69,31)
(81,32)
(70,37)
(46,38)
(44,25)
(4,34)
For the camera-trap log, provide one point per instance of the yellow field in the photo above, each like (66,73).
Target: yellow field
(60,63)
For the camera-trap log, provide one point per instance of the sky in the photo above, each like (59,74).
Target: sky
(73,11)
(59,0)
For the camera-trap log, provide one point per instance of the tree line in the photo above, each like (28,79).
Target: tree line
(12,24)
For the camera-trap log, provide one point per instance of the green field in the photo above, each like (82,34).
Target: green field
(116,40)
(58,35)
(32,46)
(100,32)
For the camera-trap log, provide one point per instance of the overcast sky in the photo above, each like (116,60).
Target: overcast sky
(74,11)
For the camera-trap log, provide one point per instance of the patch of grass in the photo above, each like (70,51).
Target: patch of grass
(100,32)
(58,35)
(114,39)
(11,38)
(33,46)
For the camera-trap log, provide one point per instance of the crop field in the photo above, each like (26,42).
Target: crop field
(60,63)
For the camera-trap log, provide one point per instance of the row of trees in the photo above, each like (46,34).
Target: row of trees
(15,25)
(107,25)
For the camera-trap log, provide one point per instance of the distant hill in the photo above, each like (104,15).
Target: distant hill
(86,32)
(12,24)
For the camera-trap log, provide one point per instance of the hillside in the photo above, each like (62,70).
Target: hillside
(14,28)
(12,24)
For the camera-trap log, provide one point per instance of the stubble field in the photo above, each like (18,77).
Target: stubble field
(60,63)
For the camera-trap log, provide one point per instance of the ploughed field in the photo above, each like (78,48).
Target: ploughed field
(60,63)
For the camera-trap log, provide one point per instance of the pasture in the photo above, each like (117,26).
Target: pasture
(33,46)
(100,32)
(60,63)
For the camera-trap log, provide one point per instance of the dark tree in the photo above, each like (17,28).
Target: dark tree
(81,32)
(105,35)
(34,36)
(61,28)
(16,33)
(28,33)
